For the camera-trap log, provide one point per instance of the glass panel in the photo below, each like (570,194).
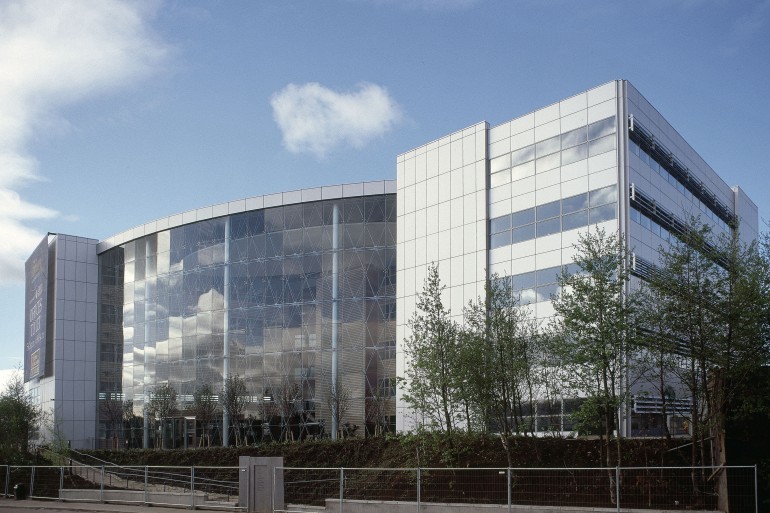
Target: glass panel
(548,146)
(312,214)
(548,275)
(549,162)
(602,196)
(574,137)
(548,227)
(574,154)
(524,280)
(523,233)
(353,211)
(374,210)
(523,217)
(601,128)
(292,217)
(273,219)
(603,213)
(497,240)
(523,170)
(500,163)
(527,296)
(500,224)
(548,210)
(574,220)
(500,178)
(523,155)
(547,292)
(574,203)
(602,145)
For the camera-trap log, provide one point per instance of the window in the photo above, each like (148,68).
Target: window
(497,240)
(523,217)
(548,210)
(575,220)
(548,146)
(601,128)
(523,155)
(574,137)
(548,227)
(500,163)
(500,224)
(386,387)
(523,233)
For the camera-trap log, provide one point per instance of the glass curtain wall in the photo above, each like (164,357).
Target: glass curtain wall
(165,315)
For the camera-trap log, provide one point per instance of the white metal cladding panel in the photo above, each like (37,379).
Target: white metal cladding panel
(441,189)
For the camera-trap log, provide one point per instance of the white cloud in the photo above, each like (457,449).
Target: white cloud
(6,375)
(316,120)
(53,54)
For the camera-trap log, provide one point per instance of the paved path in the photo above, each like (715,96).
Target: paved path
(29,506)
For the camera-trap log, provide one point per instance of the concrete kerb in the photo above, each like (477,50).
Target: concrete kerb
(7,504)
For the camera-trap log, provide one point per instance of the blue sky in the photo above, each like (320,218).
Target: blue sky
(115,113)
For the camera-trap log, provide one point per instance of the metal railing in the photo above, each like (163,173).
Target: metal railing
(192,487)
(654,488)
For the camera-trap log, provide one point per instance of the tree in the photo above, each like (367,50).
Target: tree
(112,412)
(205,407)
(498,361)
(711,299)
(338,400)
(378,404)
(286,396)
(233,400)
(133,424)
(431,351)
(595,312)
(19,417)
(161,405)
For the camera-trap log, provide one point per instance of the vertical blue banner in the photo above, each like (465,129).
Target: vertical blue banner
(36,270)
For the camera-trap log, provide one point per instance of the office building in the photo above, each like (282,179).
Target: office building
(295,292)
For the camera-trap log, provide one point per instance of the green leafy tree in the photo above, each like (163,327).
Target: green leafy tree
(431,378)
(499,360)
(162,405)
(595,316)
(710,296)
(19,417)
(205,407)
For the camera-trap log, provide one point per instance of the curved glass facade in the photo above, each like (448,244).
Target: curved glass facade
(263,293)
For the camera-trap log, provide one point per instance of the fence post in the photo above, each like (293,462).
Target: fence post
(418,489)
(342,486)
(617,488)
(756,491)
(61,482)
(101,487)
(7,479)
(508,472)
(32,482)
(145,484)
(192,486)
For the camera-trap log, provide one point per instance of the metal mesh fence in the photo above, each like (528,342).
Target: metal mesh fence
(659,488)
(663,488)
